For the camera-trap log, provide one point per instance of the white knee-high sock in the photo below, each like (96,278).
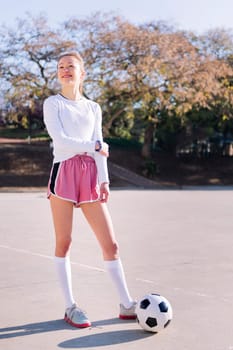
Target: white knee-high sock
(116,271)
(63,268)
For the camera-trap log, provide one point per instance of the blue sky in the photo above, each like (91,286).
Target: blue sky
(197,15)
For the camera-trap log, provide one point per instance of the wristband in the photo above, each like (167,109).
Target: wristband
(99,146)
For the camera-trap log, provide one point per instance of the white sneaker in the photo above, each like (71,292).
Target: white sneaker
(76,317)
(128,314)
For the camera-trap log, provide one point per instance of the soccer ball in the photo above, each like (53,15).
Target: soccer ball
(154,312)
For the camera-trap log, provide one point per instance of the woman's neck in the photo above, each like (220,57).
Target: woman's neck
(71,94)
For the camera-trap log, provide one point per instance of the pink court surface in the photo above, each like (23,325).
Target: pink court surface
(178,243)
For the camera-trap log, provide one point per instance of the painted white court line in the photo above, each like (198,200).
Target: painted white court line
(94,268)
(144,281)
(28,252)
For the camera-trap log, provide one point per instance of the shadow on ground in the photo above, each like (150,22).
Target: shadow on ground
(105,338)
(91,340)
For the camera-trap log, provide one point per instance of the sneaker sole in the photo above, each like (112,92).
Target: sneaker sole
(77,325)
(127,317)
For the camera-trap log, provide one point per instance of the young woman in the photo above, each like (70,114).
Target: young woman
(79,178)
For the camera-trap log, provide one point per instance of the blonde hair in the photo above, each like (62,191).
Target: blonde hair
(79,59)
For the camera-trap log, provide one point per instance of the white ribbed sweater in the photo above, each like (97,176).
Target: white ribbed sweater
(74,127)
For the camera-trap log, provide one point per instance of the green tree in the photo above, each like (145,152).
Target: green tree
(27,54)
(146,77)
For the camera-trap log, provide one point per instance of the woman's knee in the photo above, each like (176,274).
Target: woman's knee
(112,252)
(63,245)
(115,248)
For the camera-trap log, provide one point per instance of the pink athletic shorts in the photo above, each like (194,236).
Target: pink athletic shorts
(75,180)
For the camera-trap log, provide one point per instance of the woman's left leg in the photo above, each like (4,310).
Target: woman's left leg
(99,219)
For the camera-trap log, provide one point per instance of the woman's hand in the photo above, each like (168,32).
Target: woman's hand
(104,150)
(104,192)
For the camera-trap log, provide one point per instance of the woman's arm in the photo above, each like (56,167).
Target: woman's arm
(101,156)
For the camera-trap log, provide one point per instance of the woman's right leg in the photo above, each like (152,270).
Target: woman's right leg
(62,212)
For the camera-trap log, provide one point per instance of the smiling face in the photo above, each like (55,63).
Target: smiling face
(70,71)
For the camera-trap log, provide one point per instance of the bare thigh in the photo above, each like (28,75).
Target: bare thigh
(62,212)
(99,219)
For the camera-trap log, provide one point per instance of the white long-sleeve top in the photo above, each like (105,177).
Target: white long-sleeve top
(74,127)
